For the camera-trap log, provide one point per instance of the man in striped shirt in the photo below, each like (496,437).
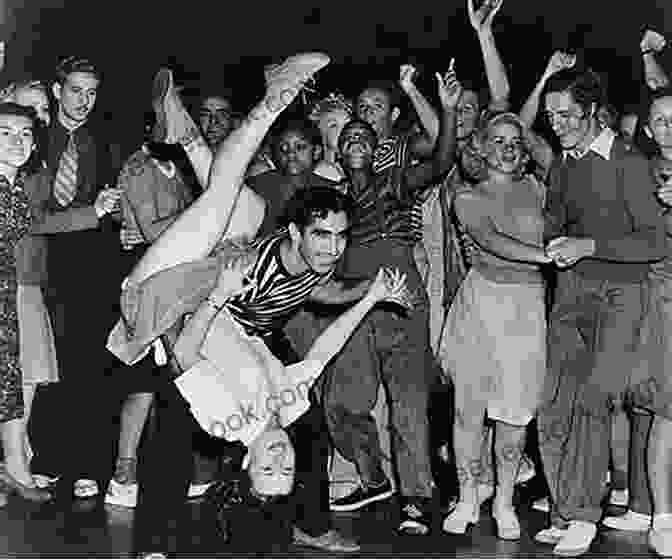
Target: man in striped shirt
(382,235)
(234,308)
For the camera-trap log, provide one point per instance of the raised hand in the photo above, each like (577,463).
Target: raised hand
(560,61)
(450,87)
(481,19)
(652,41)
(406,74)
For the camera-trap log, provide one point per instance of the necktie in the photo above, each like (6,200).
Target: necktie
(65,184)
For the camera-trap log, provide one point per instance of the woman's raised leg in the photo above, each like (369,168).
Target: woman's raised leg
(198,229)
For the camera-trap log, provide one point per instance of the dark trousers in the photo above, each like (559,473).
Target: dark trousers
(166,469)
(593,349)
(73,429)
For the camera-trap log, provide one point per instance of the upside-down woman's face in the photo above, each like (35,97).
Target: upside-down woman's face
(271,464)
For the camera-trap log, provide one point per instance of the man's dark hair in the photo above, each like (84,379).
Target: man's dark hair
(585,87)
(360,124)
(389,88)
(314,203)
(73,64)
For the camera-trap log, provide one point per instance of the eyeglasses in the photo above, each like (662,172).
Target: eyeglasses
(562,116)
(661,122)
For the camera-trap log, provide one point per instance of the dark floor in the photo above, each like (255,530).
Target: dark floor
(89,529)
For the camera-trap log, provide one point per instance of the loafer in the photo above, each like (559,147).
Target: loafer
(631,521)
(577,539)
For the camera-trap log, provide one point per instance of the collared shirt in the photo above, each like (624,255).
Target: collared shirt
(601,145)
(608,200)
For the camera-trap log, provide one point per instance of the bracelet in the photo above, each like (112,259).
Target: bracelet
(212,302)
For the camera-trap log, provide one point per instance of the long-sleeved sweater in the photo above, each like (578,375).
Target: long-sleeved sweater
(611,201)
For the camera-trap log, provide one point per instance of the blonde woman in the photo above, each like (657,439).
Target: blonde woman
(494,341)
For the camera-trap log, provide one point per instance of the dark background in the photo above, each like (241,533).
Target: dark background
(223,45)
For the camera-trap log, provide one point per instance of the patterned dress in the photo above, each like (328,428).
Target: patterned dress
(15,219)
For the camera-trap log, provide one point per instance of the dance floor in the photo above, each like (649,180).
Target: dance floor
(90,529)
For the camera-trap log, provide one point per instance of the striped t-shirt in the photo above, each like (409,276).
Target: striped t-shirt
(394,151)
(275,294)
(380,212)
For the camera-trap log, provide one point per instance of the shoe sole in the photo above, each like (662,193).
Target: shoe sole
(468,527)
(341,550)
(162,83)
(573,553)
(640,529)
(113,501)
(362,503)
(301,68)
